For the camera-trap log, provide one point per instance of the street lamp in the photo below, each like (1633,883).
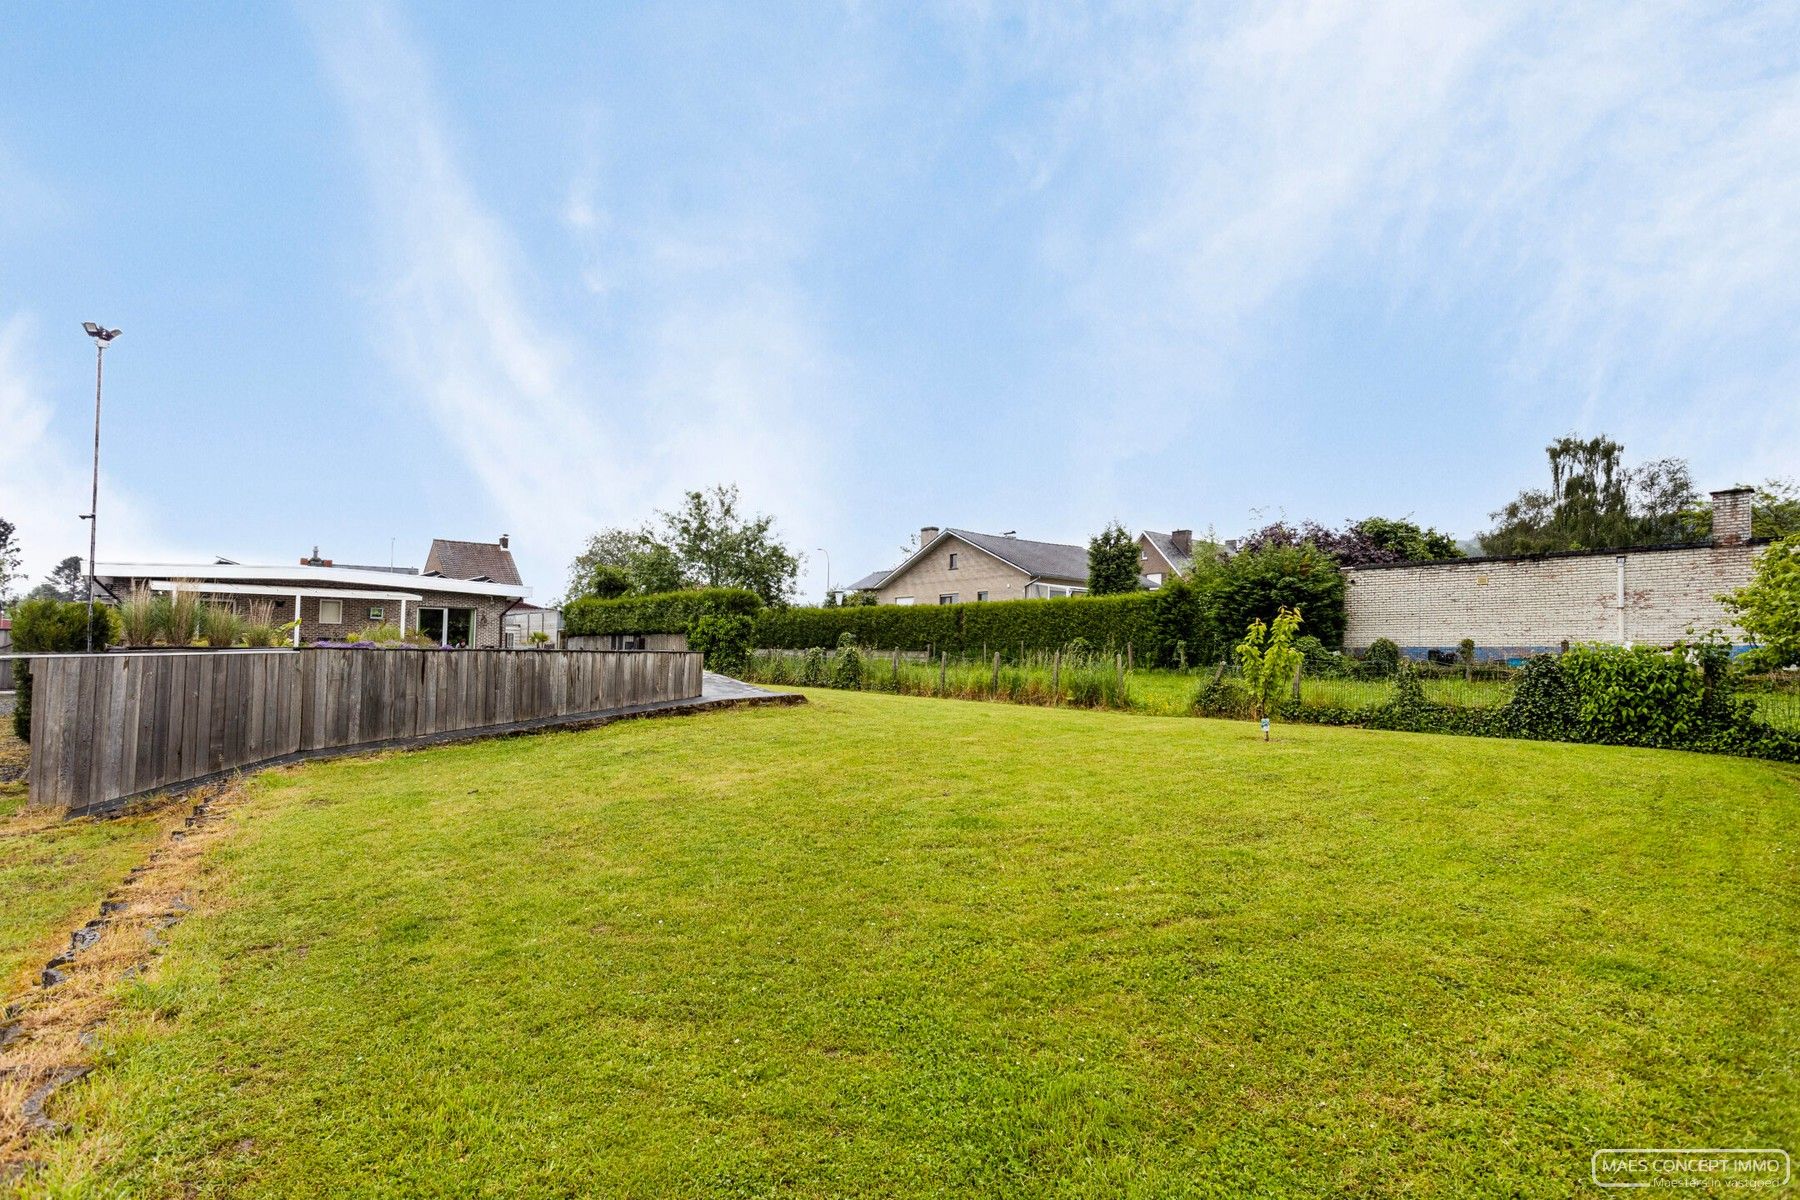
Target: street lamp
(101,336)
(827,554)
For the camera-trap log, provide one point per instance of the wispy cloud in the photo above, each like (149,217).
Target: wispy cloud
(568,433)
(1617,193)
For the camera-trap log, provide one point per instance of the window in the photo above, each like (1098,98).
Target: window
(903,599)
(1155,578)
(947,598)
(979,596)
(331,612)
(953,560)
(377,613)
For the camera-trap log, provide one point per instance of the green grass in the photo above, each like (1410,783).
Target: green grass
(1780,708)
(53,873)
(880,945)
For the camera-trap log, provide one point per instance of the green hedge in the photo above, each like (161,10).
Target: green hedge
(665,612)
(1103,622)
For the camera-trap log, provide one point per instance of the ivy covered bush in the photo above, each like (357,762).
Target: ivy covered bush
(723,640)
(1634,696)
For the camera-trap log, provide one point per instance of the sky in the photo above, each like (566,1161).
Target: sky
(389,272)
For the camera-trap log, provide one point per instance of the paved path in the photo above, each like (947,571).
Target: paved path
(724,687)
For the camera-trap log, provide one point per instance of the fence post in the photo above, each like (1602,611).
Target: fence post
(1119,671)
(1297,671)
(994,689)
(1056,678)
(943,667)
(1128,663)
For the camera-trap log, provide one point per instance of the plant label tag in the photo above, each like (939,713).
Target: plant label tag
(1265,724)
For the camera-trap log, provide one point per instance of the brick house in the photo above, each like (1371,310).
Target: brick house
(1162,555)
(954,566)
(461,596)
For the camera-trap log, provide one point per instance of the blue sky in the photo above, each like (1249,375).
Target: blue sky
(388,272)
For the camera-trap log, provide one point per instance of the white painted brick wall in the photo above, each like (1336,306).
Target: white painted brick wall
(1523,603)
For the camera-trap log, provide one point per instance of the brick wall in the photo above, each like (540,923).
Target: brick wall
(1524,604)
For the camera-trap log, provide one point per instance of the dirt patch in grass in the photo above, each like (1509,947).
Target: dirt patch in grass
(15,755)
(48,1032)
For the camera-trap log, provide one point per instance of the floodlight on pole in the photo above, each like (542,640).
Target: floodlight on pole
(827,554)
(102,337)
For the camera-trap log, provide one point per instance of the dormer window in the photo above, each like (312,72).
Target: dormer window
(953,560)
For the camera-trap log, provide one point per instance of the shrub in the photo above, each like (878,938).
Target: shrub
(55,627)
(1177,625)
(1768,607)
(138,617)
(1257,585)
(1223,695)
(1634,696)
(847,667)
(813,668)
(183,616)
(723,640)
(1544,703)
(665,612)
(220,625)
(1382,661)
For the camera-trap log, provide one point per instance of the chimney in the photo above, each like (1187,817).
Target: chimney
(1183,541)
(315,560)
(505,540)
(926,533)
(1731,516)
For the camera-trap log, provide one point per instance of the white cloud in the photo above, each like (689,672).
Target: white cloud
(562,440)
(1616,190)
(45,480)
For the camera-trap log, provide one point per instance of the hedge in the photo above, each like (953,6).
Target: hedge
(665,612)
(1104,622)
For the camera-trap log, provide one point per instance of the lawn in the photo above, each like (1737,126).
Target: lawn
(53,873)
(881,945)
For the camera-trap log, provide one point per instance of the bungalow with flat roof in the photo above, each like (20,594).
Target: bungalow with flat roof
(460,598)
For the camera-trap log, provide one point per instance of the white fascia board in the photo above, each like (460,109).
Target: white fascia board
(213,588)
(238,573)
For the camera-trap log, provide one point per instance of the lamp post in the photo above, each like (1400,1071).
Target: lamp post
(827,554)
(101,336)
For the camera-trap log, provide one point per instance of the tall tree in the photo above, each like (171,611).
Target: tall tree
(1112,562)
(67,581)
(617,561)
(1594,502)
(719,546)
(9,558)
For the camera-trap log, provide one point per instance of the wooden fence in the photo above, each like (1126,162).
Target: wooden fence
(108,727)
